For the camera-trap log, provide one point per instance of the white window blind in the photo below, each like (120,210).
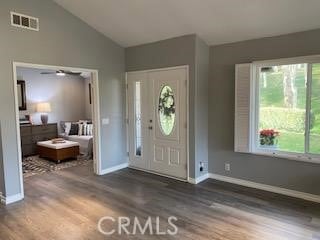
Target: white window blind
(242,107)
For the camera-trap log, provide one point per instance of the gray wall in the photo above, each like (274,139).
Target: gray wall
(63,40)
(289,174)
(66,95)
(201,106)
(168,53)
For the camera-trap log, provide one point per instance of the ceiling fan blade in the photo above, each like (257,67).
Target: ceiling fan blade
(62,71)
(48,73)
(72,73)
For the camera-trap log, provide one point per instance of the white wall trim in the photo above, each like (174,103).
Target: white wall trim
(113,169)
(260,186)
(18,137)
(199,179)
(14,198)
(269,188)
(11,199)
(2,199)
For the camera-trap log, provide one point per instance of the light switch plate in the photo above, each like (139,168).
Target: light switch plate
(227,167)
(105,121)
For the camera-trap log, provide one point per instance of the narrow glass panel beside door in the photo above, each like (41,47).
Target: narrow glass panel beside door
(137,110)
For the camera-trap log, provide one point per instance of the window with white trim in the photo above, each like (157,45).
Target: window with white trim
(277,109)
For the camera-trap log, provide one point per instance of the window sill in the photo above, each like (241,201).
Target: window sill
(289,156)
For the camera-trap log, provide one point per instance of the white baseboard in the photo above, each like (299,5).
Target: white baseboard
(11,199)
(113,169)
(198,179)
(269,188)
(2,199)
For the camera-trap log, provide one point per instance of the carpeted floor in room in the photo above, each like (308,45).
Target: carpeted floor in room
(34,165)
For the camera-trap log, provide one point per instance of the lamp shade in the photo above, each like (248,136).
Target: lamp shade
(44,107)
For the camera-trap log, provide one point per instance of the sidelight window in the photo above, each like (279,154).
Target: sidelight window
(137,110)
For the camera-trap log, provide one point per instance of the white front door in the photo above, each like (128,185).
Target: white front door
(157,110)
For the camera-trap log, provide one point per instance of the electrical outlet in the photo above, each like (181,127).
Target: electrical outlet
(201,165)
(227,167)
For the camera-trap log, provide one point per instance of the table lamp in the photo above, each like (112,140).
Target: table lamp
(44,108)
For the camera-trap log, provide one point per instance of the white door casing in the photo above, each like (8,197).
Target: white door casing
(95,113)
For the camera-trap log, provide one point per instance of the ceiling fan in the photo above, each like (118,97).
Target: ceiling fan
(63,73)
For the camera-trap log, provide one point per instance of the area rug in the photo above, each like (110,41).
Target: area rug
(34,165)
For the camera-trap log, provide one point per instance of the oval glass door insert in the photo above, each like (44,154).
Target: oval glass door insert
(167,110)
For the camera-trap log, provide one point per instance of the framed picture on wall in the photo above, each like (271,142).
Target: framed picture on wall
(90,100)
(21,89)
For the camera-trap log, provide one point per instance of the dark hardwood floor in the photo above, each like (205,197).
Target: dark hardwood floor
(68,204)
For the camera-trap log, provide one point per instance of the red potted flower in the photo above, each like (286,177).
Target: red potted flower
(268,137)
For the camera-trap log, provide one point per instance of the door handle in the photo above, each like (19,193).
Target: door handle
(150,127)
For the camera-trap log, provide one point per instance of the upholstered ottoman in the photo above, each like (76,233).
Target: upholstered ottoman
(58,151)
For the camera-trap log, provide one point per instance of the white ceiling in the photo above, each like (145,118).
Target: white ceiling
(134,22)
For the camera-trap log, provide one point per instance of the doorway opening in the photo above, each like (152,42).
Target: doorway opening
(57,118)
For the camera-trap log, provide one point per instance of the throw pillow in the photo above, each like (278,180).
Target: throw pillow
(67,127)
(81,129)
(74,129)
(90,129)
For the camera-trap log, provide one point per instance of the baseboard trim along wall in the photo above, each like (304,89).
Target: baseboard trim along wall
(11,199)
(115,168)
(2,199)
(260,186)
(269,188)
(199,179)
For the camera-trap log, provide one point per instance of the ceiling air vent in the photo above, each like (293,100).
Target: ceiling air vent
(24,21)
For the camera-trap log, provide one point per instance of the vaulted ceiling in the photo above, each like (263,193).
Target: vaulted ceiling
(134,22)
